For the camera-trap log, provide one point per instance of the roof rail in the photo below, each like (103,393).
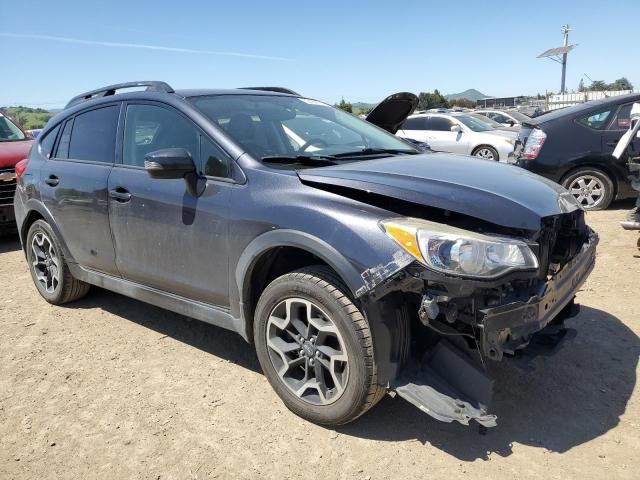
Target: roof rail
(272,89)
(111,90)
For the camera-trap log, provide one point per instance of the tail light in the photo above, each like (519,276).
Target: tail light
(534,144)
(20,167)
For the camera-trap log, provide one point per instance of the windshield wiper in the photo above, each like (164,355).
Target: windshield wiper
(302,159)
(375,151)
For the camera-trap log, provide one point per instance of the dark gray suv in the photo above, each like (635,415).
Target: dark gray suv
(353,262)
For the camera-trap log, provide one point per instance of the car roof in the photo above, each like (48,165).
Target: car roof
(203,92)
(584,107)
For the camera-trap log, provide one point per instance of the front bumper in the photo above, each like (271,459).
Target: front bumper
(508,327)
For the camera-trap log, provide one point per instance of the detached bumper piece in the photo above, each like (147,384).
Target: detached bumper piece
(448,387)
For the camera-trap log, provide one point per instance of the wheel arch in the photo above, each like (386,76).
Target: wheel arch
(37,211)
(278,252)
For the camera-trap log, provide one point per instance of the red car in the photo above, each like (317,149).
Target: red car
(15,144)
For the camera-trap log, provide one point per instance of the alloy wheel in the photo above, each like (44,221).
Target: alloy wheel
(45,263)
(587,190)
(307,351)
(485,153)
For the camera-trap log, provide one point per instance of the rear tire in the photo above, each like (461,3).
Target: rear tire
(591,187)
(48,267)
(337,388)
(486,152)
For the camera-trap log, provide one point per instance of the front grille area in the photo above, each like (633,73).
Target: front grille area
(7,186)
(563,236)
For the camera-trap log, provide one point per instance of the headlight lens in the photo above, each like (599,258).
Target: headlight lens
(459,252)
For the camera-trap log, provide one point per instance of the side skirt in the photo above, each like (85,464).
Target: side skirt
(212,314)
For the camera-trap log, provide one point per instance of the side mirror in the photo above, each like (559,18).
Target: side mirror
(456,128)
(174,163)
(169,163)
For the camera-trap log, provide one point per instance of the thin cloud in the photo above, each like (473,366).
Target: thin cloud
(80,41)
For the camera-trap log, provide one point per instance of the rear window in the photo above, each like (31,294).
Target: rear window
(94,135)
(416,123)
(47,142)
(597,120)
(623,119)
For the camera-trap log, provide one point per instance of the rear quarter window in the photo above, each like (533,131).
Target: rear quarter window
(596,120)
(48,141)
(93,137)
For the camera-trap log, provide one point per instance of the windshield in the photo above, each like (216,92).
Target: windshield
(521,117)
(269,126)
(473,123)
(10,132)
(487,120)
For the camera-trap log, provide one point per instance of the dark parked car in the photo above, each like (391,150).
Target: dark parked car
(354,264)
(574,147)
(15,144)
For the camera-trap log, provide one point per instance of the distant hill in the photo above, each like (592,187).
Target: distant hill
(28,117)
(471,94)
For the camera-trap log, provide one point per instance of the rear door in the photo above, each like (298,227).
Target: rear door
(442,139)
(164,237)
(74,185)
(416,128)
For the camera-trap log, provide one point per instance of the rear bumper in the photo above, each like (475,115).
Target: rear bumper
(507,327)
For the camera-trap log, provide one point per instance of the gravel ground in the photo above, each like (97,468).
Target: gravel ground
(109,387)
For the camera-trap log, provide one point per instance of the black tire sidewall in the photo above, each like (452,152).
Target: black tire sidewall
(594,172)
(349,404)
(58,293)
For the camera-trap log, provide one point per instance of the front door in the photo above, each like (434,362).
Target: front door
(74,186)
(164,237)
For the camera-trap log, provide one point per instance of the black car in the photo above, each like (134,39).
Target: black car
(574,147)
(354,263)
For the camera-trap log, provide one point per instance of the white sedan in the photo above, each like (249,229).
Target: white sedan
(459,133)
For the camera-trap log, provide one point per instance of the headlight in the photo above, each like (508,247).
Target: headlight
(459,252)
(510,141)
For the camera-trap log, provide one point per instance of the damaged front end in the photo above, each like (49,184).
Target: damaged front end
(436,330)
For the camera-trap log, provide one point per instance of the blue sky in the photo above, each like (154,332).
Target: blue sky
(359,50)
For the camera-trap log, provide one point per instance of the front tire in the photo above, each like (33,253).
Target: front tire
(48,267)
(591,187)
(315,347)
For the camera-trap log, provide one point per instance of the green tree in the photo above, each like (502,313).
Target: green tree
(598,86)
(621,84)
(345,106)
(428,100)
(581,87)
(462,102)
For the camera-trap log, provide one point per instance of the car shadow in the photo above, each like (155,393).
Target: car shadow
(626,204)
(9,242)
(565,400)
(568,399)
(203,336)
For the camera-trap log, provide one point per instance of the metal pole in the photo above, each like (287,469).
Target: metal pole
(565,33)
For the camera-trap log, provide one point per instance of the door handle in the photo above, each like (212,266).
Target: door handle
(613,143)
(52,181)
(120,195)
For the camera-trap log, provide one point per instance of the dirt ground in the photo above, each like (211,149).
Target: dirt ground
(113,388)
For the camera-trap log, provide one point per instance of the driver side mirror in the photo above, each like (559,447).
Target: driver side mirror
(174,163)
(456,128)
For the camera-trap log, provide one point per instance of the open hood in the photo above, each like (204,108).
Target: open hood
(498,193)
(393,110)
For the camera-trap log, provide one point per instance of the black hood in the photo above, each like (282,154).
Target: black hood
(494,192)
(393,111)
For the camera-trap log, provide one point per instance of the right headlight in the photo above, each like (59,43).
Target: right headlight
(459,252)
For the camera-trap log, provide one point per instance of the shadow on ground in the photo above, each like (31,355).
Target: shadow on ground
(213,340)
(568,399)
(9,242)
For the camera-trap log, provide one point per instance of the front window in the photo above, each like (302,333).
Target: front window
(9,132)
(521,117)
(473,123)
(487,120)
(277,126)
